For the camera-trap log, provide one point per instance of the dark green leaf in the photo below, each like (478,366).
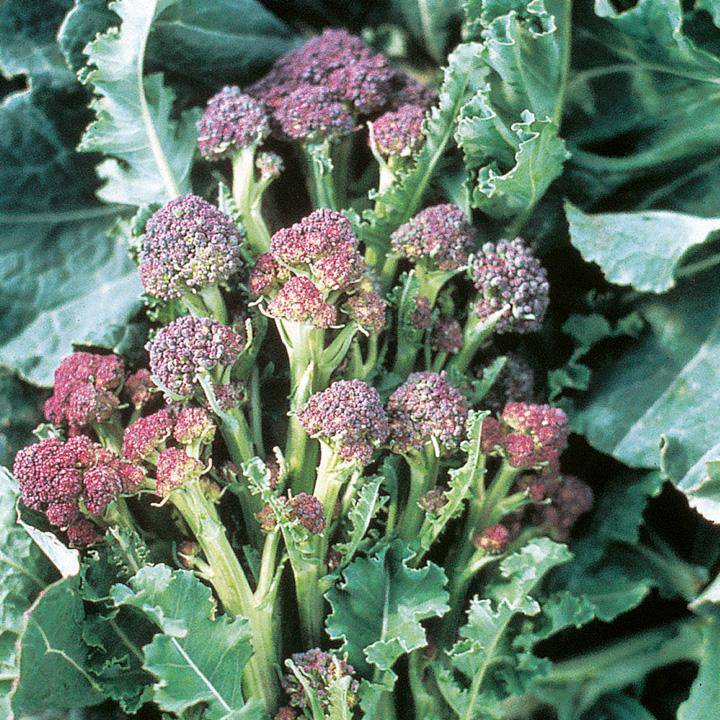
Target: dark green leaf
(379,606)
(705,693)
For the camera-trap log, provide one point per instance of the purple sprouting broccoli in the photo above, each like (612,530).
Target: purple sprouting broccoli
(57,478)
(422,314)
(299,300)
(267,275)
(447,335)
(194,426)
(515,383)
(434,500)
(232,121)
(571,498)
(509,278)
(399,133)
(188,347)
(349,418)
(188,245)
(493,540)
(85,391)
(311,114)
(321,670)
(286,713)
(270,166)
(367,307)
(146,437)
(176,468)
(426,409)
(439,236)
(139,388)
(530,436)
(308,511)
(82,533)
(318,236)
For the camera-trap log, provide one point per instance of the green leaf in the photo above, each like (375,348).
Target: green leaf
(485,655)
(379,606)
(24,572)
(54,670)
(705,692)
(150,154)
(360,515)
(27,40)
(618,707)
(429,22)
(463,76)
(196,657)
(20,413)
(509,132)
(201,40)
(460,482)
(670,374)
(606,570)
(86,19)
(640,249)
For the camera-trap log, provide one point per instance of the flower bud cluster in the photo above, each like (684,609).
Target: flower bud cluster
(325,88)
(321,670)
(302,508)
(189,346)
(509,278)
(188,245)
(426,409)
(146,443)
(515,383)
(63,479)
(232,121)
(529,436)
(439,236)
(399,133)
(85,391)
(349,417)
(308,265)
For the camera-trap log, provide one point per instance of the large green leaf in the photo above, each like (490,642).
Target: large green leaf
(149,152)
(485,655)
(379,606)
(640,249)
(671,376)
(196,657)
(223,41)
(24,572)
(27,40)
(509,133)
(54,669)
(20,413)
(704,697)
(65,278)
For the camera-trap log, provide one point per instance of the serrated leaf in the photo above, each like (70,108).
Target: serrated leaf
(640,249)
(670,374)
(379,606)
(360,515)
(705,692)
(484,654)
(87,19)
(24,572)
(197,657)
(149,153)
(54,670)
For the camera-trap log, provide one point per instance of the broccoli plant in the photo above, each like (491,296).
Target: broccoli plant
(370,356)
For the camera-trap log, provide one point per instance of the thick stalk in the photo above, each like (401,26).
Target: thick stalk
(321,183)
(423,474)
(475,335)
(247,196)
(233,589)
(213,299)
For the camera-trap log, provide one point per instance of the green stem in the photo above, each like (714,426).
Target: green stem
(110,433)
(256,412)
(475,335)
(320,175)
(423,475)
(233,589)
(247,194)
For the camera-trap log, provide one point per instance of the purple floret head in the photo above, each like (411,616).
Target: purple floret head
(349,417)
(308,511)
(147,435)
(439,235)
(232,121)
(311,114)
(426,409)
(270,165)
(509,278)
(188,245)
(447,335)
(189,346)
(321,670)
(367,307)
(399,133)
(174,469)
(299,300)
